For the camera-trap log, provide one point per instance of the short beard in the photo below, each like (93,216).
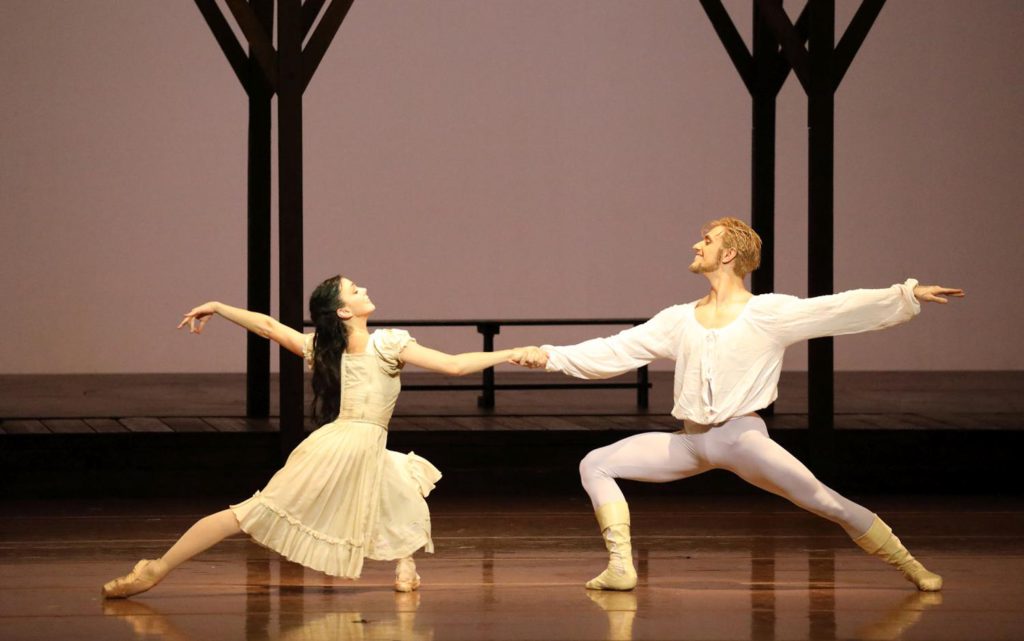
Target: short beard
(704,268)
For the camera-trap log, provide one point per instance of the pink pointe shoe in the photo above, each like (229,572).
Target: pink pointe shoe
(143,576)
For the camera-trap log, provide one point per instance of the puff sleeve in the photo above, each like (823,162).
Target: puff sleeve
(389,343)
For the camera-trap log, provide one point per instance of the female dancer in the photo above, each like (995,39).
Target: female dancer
(341,496)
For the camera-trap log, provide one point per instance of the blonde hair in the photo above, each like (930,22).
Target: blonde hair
(741,237)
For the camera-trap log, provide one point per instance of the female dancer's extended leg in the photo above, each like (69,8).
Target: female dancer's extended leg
(206,532)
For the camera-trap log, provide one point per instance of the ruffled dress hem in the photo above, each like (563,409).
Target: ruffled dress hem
(273,528)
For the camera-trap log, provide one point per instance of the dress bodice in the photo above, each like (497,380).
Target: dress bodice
(370,380)
(367,392)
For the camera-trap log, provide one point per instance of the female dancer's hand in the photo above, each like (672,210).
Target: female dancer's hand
(933,293)
(197,318)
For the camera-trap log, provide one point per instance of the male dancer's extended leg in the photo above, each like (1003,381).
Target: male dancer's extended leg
(654,457)
(204,534)
(759,460)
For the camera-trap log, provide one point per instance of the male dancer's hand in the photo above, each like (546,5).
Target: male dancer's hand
(935,293)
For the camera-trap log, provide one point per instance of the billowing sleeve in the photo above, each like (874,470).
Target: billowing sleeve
(307,350)
(389,344)
(625,351)
(791,319)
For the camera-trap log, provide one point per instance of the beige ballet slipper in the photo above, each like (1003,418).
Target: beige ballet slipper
(143,576)
(880,541)
(613,518)
(406,579)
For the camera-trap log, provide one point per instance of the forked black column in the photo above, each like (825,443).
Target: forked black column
(778,47)
(287,71)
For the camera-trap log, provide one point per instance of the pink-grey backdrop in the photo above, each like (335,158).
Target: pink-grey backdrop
(505,158)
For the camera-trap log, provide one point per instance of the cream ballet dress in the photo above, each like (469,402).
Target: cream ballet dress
(341,496)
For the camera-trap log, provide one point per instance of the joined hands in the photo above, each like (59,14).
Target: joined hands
(532,357)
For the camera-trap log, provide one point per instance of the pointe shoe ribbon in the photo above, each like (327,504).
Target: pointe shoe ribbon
(881,542)
(613,518)
(406,579)
(143,576)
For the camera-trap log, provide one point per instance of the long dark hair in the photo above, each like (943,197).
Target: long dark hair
(328,345)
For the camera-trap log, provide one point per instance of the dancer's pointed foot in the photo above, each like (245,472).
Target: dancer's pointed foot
(406,579)
(920,576)
(143,576)
(880,541)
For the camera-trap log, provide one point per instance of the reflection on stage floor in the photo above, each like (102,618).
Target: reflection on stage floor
(709,567)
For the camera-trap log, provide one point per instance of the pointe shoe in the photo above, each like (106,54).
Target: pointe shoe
(143,576)
(406,579)
(619,575)
(880,541)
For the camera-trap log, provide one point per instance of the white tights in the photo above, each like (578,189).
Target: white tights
(741,445)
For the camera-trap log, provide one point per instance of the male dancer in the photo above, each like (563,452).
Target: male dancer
(728,348)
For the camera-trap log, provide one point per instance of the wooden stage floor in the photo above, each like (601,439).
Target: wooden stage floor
(514,534)
(728,568)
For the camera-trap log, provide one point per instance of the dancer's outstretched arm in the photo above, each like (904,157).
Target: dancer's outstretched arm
(794,319)
(606,357)
(255,322)
(457,364)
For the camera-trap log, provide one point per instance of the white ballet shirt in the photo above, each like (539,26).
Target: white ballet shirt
(733,370)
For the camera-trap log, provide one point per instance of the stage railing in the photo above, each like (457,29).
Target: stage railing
(489,328)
